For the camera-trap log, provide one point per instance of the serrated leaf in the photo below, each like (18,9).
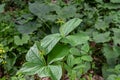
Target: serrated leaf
(101,37)
(116,37)
(2,8)
(25,38)
(21,41)
(17,40)
(111,54)
(39,9)
(58,53)
(27,28)
(69,26)
(112,77)
(115,1)
(43,11)
(77,39)
(67,9)
(111,6)
(50,41)
(101,25)
(117,69)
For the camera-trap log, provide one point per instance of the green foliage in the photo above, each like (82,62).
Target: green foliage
(70,37)
(21,41)
(50,41)
(2,8)
(58,53)
(101,38)
(36,56)
(69,26)
(77,39)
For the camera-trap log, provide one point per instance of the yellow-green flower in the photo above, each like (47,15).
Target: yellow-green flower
(1,56)
(60,21)
(2,51)
(4,62)
(42,52)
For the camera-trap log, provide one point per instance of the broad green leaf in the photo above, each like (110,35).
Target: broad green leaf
(77,39)
(53,71)
(44,72)
(2,8)
(101,37)
(30,68)
(21,41)
(58,53)
(34,55)
(56,72)
(66,28)
(35,65)
(86,58)
(50,41)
